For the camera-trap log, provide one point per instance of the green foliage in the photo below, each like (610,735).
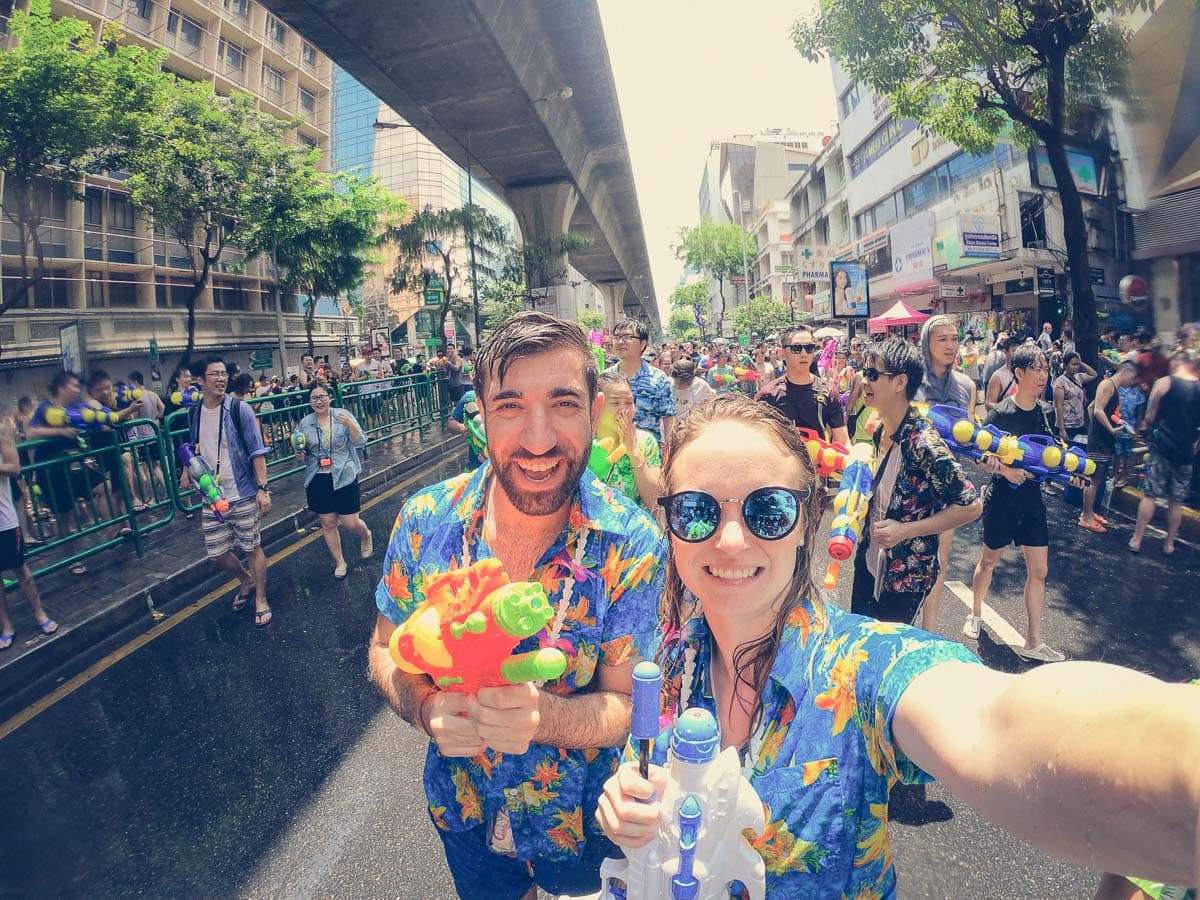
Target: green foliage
(761,316)
(976,72)
(681,324)
(67,106)
(718,251)
(688,296)
(542,263)
(435,236)
(501,301)
(591,320)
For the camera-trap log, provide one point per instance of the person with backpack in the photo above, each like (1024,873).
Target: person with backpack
(801,395)
(225,434)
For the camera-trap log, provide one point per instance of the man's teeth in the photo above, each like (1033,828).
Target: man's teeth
(733,574)
(532,466)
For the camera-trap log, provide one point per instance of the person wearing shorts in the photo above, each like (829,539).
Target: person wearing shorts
(226,435)
(328,439)
(1173,416)
(1013,509)
(12,545)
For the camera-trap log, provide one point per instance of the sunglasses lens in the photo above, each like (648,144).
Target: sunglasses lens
(693,516)
(771,513)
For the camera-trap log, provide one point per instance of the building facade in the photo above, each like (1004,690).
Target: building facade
(123,280)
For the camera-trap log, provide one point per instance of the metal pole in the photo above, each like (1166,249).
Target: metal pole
(745,267)
(471,241)
(283,360)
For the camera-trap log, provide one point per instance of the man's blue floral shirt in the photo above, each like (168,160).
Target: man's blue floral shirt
(550,793)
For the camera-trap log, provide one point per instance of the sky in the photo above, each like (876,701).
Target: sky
(689,72)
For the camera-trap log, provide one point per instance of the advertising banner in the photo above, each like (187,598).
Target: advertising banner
(912,254)
(979,235)
(851,290)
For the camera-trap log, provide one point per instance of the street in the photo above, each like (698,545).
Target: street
(220,760)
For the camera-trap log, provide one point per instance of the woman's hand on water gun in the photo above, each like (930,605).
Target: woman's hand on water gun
(624,814)
(506,717)
(446,720)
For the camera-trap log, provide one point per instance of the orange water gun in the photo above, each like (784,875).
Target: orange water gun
(850,510)
(462,635)
(828,458)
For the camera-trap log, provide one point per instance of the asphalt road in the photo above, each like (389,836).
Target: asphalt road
(221,760)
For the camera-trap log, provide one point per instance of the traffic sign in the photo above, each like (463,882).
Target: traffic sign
(262,360)
(433,297)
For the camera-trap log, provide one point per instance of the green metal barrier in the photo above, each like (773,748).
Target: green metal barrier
(108,491)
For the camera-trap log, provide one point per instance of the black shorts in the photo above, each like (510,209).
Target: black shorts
(62,484)
(1014,516)
(889,606)
(323,499)
(12,550)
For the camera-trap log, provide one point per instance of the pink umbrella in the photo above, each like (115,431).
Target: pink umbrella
(900,314)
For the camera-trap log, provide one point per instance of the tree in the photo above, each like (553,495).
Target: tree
(210,176)
(691,295)
(718,251)
(67,107)
(539,264)
(324,231)
(501,301)
(591,320)
(971,71)
(681,324)
(761,316)
(436,236)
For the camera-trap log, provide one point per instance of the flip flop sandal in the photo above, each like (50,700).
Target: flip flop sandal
(262,617)
(6,640)
(1094,526)
(79,569)
(48,627)
(241,601)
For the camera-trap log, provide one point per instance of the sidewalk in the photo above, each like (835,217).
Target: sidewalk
(120,594)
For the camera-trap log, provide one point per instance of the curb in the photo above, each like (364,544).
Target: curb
(1127,499)
(78,646)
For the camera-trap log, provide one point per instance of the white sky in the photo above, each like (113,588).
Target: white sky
(691,71)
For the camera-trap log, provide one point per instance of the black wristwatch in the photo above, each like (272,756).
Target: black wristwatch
(265,488)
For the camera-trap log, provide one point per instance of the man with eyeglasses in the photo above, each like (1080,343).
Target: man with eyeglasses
(653,395)
(799,394)
(226,435)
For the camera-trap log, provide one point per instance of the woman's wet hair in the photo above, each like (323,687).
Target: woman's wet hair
(752,661)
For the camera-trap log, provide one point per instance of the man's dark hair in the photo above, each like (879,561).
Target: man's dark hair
(902,358)
(1013,340)
(97,376)
(243,383)
(531,333)
(25,403)
(639,329)
(61,380)
(1027,356)
(786,337)
(136,377)
(197,367)
(210,361)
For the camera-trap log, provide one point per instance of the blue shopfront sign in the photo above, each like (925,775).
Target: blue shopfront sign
(880,141)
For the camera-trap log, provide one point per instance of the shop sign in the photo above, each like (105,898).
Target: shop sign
(881,140)
(1047,283)
(812,263)
(1097,274)
(822,304)
(979,235)
(912,253)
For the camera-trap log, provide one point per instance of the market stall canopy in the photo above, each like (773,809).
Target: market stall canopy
(828,332)
(900,314)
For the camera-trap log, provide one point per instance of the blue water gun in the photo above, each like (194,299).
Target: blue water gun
(80,415)
(127,394)
(187,397)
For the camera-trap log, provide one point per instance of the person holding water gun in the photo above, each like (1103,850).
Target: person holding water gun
(637,474)
(1013,509)
(920,491)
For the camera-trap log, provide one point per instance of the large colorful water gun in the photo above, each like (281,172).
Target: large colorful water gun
(1116,419)
(747,373)
(127,394)
(204,480)
(463,633)
(188,396)
(723,375)
(828,457)
(850,510)
(476,436)
(707,807)
(80,415)
(608,448)
(299,441)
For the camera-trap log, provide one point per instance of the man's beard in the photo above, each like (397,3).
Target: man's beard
(542,503)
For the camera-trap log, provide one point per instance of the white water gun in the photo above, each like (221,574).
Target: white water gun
(700,847)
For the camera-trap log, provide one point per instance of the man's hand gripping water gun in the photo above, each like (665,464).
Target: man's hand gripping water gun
(850,510)
(204,481)
(462,635)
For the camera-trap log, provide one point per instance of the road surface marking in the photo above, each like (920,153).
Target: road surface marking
(995,622)
(71,685)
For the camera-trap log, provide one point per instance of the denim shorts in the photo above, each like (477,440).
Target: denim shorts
(480,874)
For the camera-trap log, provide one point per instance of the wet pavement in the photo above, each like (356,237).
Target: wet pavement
(220,760)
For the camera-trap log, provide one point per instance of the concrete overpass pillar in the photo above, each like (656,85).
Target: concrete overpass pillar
(544,214)
(613,293)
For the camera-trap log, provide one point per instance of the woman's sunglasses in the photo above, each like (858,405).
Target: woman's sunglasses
(770,513)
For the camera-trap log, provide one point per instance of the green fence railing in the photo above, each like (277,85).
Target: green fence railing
(116,486)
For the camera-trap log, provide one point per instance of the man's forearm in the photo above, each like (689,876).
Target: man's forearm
(259,464)
(404,693)
(577,721)
(948,519)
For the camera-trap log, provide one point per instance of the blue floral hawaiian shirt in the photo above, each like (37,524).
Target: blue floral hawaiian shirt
(824,757)
(550,793)
(653,398)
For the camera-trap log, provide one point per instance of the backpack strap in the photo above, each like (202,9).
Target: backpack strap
(235,412)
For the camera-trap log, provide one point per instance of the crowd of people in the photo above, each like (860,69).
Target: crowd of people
(708,569)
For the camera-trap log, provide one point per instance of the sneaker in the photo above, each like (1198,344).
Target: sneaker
(368,546)
(340,571)
(1043,652)
(971,627)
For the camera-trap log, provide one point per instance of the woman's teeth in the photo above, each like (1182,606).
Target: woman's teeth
(733,574)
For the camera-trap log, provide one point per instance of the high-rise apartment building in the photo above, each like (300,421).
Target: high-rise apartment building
(123,280)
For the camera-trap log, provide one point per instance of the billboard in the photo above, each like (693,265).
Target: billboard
(851,291)
(979,235)
(1084,171)
(912,254)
